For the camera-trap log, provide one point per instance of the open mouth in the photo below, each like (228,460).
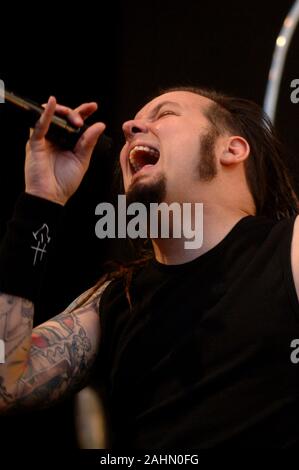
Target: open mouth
(141,156)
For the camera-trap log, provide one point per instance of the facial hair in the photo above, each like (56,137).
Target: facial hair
(147,193)
(207,163)
(155,191)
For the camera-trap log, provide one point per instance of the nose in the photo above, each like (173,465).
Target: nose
(133,127)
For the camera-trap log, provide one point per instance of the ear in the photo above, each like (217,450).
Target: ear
(236,150)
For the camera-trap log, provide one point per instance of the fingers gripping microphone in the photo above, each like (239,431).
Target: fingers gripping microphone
(61,132)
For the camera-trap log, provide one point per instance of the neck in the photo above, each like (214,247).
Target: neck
(217,223)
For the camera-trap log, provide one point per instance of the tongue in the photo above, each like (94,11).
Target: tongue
(146,158)
(145,167)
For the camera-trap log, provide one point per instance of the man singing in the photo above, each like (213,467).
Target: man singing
(192,346)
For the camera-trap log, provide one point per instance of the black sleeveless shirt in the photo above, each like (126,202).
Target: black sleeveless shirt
(203,358)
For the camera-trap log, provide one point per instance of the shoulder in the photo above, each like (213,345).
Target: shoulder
(295,254)
(90,298)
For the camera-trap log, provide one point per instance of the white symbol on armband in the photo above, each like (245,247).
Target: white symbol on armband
(43,239)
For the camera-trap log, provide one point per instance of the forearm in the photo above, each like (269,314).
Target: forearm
(25,246)
(23,254)
(41,365)
(54,358)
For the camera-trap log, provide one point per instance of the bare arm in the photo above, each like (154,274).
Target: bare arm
(42,364)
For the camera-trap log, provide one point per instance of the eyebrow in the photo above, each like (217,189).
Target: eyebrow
(157,108)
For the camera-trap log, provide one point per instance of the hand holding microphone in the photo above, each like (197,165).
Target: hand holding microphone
(61,131)
(53,172)
(60,146)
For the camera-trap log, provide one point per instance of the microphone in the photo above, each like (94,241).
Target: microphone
(61,132)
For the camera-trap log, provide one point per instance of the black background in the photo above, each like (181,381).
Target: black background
(125,51)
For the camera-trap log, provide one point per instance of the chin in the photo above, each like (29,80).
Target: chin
(147,191)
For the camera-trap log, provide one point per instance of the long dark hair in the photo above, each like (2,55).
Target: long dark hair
(267,175)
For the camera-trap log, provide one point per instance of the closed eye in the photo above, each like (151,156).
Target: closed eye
(165,113)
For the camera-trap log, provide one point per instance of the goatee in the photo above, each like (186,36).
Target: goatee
(147,193)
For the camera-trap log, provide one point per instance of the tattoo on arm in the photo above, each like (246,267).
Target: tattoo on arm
(42,364)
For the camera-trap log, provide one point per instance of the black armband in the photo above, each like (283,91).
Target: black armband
(25,245)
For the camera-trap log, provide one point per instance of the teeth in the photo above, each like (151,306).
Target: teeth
(144,149)
(134,163)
